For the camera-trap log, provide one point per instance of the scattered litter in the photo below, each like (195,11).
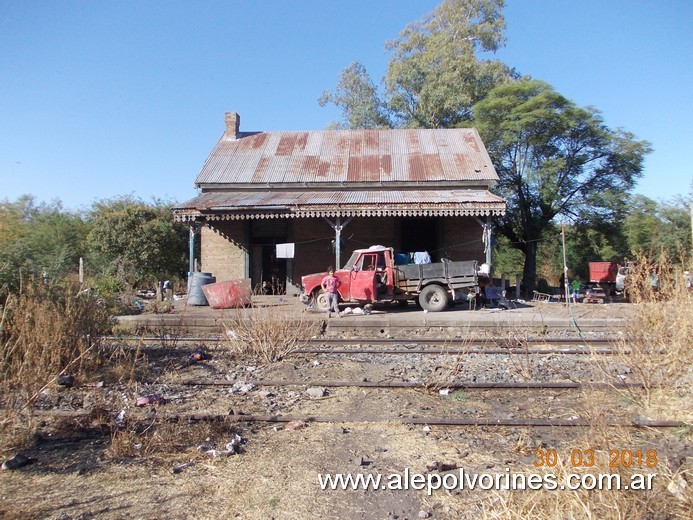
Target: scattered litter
(241,387)
(348,310)
(445,391)
(149,399)
(317,391)
(676,487)
(440,466)
(66,380)
(229,449)
(196,357)
(178,469)
(294,425)
(426,428)
(231,334)
(120,418)
(16,462)
(357,311)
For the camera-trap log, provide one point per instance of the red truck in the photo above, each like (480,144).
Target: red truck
(372,275)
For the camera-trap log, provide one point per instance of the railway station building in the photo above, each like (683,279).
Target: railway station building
(273,206)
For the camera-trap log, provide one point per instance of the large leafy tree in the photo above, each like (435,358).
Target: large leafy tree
(435,74)
(357,96)
(555,161)
(138,239)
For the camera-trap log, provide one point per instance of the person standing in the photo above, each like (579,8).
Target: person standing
(330,284)
(576,284)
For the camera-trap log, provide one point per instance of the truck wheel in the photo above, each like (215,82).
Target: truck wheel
(433,298)
(319,301)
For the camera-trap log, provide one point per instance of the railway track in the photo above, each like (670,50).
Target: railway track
(425,346)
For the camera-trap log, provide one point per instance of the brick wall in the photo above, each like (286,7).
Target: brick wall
(461,237)
(224,249)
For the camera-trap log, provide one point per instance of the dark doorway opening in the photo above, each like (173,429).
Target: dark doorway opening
(268,273)
(420,234)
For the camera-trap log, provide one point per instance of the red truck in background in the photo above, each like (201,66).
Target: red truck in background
(372,275)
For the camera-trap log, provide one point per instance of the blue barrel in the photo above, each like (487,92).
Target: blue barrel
(195,294)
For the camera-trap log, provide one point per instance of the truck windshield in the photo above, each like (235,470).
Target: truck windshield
(351,261)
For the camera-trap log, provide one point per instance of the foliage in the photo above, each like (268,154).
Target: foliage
(652,227)
(434,75)
(136,242)
(357,96)
(555,160)
(38,240)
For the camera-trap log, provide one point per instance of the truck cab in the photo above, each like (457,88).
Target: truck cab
(367,276)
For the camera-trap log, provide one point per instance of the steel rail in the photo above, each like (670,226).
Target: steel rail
(431,421)
(409,384)
(471,350)
(511,343)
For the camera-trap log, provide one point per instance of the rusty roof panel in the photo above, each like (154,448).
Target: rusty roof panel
(337,199)
(363,156)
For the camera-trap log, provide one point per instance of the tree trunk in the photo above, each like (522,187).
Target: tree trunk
(529,274)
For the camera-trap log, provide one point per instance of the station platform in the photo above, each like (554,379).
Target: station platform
(389,320)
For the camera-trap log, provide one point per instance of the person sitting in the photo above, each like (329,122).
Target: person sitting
(492,294)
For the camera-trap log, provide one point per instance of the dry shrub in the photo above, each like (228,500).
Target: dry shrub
(655,349)
(44,332)
(168,439)
(268,333)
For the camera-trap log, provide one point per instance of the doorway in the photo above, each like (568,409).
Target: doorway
(420,234)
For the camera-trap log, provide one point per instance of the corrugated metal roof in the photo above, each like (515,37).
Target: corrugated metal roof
(349,156)
(284,203)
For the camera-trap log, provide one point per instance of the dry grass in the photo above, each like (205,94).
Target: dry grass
(656,348)
(268,333)
(47,332)
(168,440)
(656,351)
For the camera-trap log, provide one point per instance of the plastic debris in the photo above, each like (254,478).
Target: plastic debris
(149,399)
(677,487)
(66,380)
(16,462)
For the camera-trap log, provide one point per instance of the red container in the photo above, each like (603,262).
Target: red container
(603,272)
(230,294)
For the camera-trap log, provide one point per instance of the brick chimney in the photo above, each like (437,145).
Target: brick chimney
(233,124)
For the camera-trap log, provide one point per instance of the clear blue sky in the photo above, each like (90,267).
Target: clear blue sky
(104,98)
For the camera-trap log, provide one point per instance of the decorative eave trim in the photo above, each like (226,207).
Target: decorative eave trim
(475,210)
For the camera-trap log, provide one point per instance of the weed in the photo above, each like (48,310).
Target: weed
(268,333)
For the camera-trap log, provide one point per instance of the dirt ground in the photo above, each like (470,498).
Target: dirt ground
(117,460)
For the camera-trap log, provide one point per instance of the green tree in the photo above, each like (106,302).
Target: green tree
(38,239)
(555,161)
(136,241)
(357,96)
(652,227)
(434,75)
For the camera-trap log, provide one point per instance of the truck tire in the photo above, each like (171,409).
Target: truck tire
(433,298)
(319,301)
